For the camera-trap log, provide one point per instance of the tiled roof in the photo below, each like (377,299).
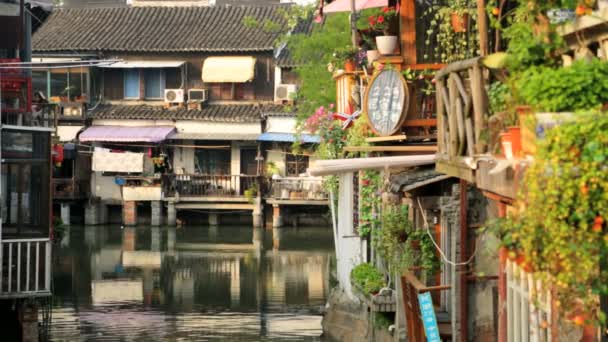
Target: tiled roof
(214,113)
(413,179)
(161,29)
(285,59)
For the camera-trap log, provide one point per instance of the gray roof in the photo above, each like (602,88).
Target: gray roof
(215,113)
(161,29)
(412,179)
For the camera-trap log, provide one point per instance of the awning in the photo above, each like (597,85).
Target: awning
(336,166)
(144,64)
(228,69)
(289,137)
(213,136)
(126,133)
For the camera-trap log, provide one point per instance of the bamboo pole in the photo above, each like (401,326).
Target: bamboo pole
(482,26)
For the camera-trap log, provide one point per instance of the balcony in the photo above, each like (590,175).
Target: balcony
(25,268)
(297,189)
(70,189)
(211,186)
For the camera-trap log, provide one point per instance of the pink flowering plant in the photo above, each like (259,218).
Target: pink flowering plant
(333,137)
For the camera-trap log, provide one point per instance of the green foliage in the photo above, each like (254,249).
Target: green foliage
(425,76)
(383,320)
(367,278)
(251,192)
(389,239)
(562,232)
(370,200)
(314,52)
(582,86)
(272,168)
(498,93)
(342,54)
(452,46)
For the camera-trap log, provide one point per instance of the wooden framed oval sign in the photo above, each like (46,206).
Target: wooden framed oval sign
(386,102)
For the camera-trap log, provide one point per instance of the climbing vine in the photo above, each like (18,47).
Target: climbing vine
(561,234)
(370,201)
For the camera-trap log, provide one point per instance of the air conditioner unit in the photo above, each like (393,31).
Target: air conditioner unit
(198,95)
(285,92)
(174,95)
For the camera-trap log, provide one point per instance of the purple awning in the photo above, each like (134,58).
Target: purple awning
(126,133)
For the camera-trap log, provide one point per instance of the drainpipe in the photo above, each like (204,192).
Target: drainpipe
(464,307)
(502,284)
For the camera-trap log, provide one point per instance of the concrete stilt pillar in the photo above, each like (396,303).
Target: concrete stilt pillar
(102,215)
(155,237)
(171,214)
(157,214)
(91,214)
(28,317)
(129,213)
(171,239)
(258,238)
(65,213)
(214,219)
(129,239)
(213,230)
(257,213)
(276,238)
(277,218)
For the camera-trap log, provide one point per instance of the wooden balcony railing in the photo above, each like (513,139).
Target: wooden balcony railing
(194,185)
(462,112)
(412,287)
(297,188)
(25,268)
(70,189)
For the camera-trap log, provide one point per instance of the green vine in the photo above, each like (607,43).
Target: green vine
(561,232)
(370,201)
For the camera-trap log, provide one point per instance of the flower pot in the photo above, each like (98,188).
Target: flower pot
(507,144)
(460,22)
(372,55)
(387,44)
(349,65)
(515,140)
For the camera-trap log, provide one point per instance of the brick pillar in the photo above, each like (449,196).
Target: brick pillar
(277,219)
(171,214)
(65,214)
(129,239)
(157,214)
(28,317)
(129,213)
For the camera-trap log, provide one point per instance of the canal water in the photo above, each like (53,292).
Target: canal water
(190,284)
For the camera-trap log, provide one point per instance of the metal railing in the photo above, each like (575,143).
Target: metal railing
(210,185)
(297,188)
(69,188)
(25,267)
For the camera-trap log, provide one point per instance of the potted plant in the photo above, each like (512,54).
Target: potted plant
(372,53)
(460,14)
(383,21)
(367,278)
(347,57)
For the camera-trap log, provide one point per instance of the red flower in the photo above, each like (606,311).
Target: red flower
(380,19)
(386,9)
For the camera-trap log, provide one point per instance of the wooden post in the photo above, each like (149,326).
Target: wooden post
(407,15)
(482,26)
(480,105)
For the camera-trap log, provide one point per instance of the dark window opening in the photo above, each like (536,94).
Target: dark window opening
(296,165)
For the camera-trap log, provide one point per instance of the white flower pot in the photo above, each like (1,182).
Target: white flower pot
(387,44)
(372,55)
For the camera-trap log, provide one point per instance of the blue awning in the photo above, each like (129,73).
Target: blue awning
(289,137)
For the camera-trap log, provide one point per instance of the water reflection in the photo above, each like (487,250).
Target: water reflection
(196,283)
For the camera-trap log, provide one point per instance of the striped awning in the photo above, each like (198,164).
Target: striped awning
(233,69)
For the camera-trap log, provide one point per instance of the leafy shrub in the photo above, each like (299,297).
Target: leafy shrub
(583,85)
(367,277)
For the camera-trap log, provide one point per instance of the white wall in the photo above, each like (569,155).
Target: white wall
(68,133)
(279,124)
(104,187)
(278,157)
(218,127)
(350,248)
(183,157)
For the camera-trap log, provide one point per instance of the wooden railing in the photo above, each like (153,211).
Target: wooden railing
(69,188)
(297,188)
(462,108)
(194,185)
(528,306)
(25,268)
(412,287)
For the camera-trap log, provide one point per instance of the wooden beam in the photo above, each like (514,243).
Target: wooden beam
(407,14)
(410,148)
(219,206)
(482,27)
(390,138)
(420,122)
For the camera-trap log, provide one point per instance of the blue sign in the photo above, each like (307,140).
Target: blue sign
(428,317)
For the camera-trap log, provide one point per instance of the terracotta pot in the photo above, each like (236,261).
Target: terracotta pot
(460,22)
(387,44)
(507,144)
(372,55)
(515,132)
(349,65)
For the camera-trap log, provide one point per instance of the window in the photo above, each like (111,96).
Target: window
(154,83)
(212,162)
(25,183)
(231,91)
(296,165)
(131,83)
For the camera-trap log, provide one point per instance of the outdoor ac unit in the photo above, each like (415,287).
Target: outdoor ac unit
(198,95)
(174,95)
(285,92)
